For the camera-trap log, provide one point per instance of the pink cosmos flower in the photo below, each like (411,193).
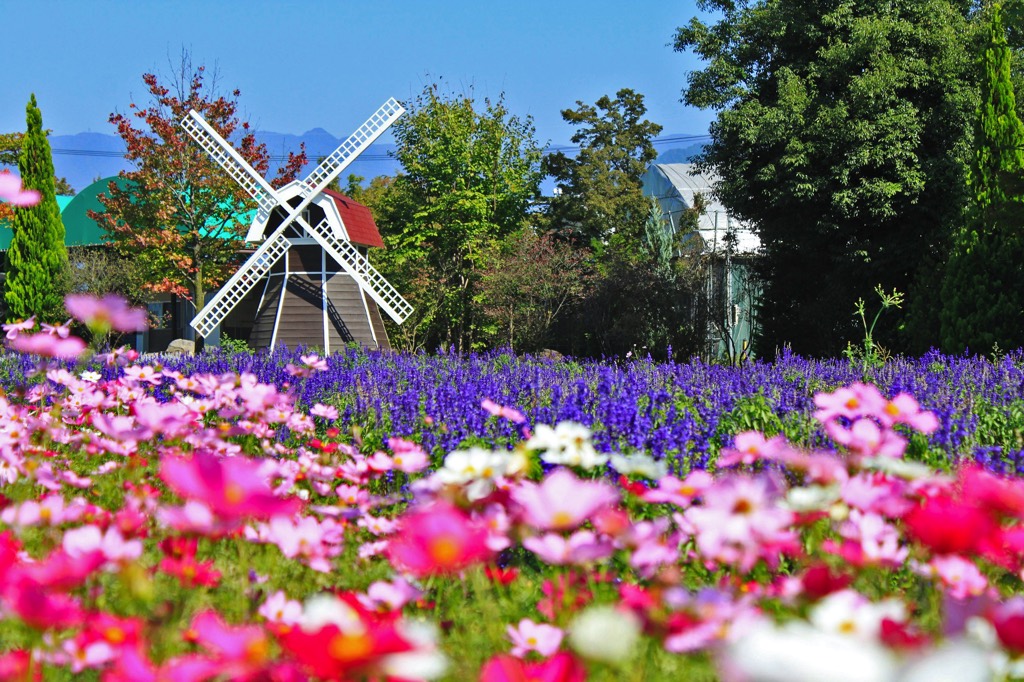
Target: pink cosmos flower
(314,542)
(562,501)
(389,596)
(528,636)
(314,362)
(13,329)
(61,330)
(514,416)
(562,667)
(877,540)
(904,409)
(241,651)
(749,447)
(740,522)
(849,401)
(408,456)
(581,547)
(48,345)
(104,314)
(864,437)
(278,608)
(671,490)
(328,412)
(437,539)
(85,655)
(232,487)
(960,577)
(12,192)
(111,544)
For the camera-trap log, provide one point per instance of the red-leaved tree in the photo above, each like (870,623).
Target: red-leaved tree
(178,213)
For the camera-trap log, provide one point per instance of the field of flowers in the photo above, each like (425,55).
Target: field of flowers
(392,517)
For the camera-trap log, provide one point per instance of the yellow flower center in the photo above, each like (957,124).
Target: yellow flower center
(561,519)
(444,550)
(346,647)
(233,493)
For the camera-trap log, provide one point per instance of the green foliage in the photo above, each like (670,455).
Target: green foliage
(600,194)
(471,174)
(842,135)
(531,282)
(870,354)
(231,346)
(37,260)
(983,305)
(99,270)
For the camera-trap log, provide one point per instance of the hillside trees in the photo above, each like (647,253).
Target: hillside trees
(37,259)
(472,171)
(600,193)
(842,134)
(982,301)
(179,213)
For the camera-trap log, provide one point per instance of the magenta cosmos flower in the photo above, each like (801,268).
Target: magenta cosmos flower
(109,312)
(232,487)
(437,539)
(562,501)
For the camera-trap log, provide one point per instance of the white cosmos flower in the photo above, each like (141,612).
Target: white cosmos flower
(639,464)
(425,661)
(901,468)
(326,609)
(477,469)
(848,612)
(567,444)
(956,661)
(799,652)
(812,497)
(604,633)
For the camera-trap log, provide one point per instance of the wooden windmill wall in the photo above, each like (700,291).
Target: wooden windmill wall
(308,299)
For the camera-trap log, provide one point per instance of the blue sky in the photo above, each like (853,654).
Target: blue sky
(331,64)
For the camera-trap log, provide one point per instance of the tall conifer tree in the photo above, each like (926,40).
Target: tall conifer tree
(37,260)
(983,292)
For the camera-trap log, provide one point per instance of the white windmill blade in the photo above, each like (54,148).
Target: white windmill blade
(362,271)
(240,283)
(332,166)
(224,154)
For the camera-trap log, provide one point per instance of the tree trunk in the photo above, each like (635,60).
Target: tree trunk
(197,303)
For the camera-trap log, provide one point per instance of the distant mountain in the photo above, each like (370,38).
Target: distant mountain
(680,154)
(377,160)
(85,157)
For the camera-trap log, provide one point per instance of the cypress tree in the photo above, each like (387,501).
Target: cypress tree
(37,260)
(983,291)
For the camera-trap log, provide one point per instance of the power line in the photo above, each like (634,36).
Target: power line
(565,149)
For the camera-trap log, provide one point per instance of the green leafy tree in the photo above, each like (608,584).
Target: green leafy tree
(529,285)
(600,191)
(471,175)
(37,260)
(842,135)
(983,304)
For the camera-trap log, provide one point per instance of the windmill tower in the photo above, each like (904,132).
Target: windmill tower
(308,281)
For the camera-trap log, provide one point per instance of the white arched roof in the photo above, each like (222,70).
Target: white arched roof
(674,184)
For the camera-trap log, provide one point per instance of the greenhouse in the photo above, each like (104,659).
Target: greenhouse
(727,245)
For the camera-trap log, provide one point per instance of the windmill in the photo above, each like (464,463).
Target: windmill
(301,226)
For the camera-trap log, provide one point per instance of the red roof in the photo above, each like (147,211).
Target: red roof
(358,220)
